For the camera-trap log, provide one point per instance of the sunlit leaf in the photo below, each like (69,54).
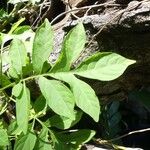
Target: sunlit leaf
(18,55)
(13,128)
(58,97)
(13,73)
(17,89)
(21,29)
(85,97)
(22,109)
(42,46)
(15,25)
(72,47)
(107,67)
(3,137)
(25,142)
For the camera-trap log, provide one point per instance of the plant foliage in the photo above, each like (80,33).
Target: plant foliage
(62,97)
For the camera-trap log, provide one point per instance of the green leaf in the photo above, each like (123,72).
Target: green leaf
(59,145)
(26,35)
(72,47)
(39,104)
(63,123)
(13,73)
(13,128)
(22,109)
(15,25)
(107,67)
(18,55)
(4,80)
(27,70)
(21,29)
(58,97)
(26,142)
(46,67)
(3,14)
(42,46)
(17,89)
(43,143)
(3,137)
(85,96)
(78,137)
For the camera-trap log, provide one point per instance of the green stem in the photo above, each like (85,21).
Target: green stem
(1,63)
(23,80)
(51,133)
(16,25)
(33,123)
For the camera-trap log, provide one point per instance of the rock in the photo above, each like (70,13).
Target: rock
(125,31)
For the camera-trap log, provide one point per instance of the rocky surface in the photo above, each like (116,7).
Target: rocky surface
(126,31)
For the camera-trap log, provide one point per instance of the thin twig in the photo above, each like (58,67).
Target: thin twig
(85,7)
(122,136)
(116,16)
(37,20)
(86,13)
(120,12)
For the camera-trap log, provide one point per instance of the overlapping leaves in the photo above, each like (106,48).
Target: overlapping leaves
(60,89)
